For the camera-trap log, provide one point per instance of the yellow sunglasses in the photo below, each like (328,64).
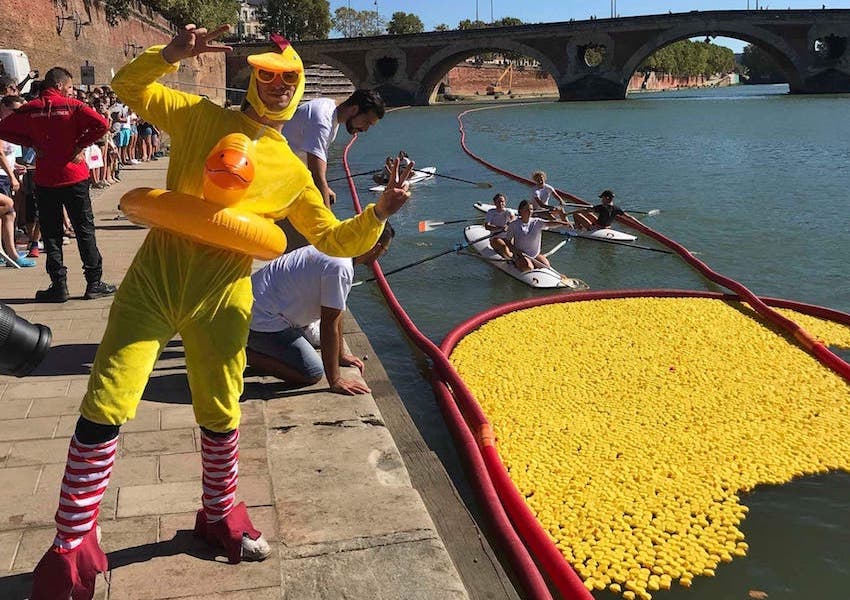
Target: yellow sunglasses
(288,77)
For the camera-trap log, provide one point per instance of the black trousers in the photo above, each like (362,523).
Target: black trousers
(76,200)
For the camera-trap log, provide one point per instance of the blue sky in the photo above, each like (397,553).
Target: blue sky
(450,12)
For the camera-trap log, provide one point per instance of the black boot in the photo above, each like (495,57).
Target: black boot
(98,289)
(57,292)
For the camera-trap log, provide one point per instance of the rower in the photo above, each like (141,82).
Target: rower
(524,239)
(541,195)
(497,219)
(600,216)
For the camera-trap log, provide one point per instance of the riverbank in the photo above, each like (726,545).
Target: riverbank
(344,488)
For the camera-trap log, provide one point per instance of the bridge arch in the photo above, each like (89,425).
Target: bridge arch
(429,74)
(785,57)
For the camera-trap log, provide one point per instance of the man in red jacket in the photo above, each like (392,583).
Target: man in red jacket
(59,128)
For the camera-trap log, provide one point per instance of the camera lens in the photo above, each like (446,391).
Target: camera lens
(23,345)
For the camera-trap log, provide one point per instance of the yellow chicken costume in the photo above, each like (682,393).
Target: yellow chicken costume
(177,284)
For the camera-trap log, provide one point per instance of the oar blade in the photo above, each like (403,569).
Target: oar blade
(428,225)
(484,185)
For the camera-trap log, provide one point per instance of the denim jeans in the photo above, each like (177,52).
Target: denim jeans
(289,347)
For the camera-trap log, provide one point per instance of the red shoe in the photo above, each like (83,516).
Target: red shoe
(34,251)
(235,534)
(69,574)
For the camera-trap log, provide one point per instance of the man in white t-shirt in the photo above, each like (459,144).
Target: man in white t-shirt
(291,292)
(315,124)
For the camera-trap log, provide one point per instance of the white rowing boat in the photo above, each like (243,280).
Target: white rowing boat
(606,234)
(544,277)
(417,176)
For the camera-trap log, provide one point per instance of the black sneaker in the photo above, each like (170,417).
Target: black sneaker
(98,289)
(57,292)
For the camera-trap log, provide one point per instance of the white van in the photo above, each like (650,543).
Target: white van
(16,65)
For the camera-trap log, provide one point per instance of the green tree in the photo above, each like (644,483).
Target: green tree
(402,22)
(507,22)
(467,24)
(205,13)
(759,67)
(358,23)
(441,27)
(296,19)
(689,59)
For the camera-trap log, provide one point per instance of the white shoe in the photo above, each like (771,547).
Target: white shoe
(258,549)
(66,241)
(133,161)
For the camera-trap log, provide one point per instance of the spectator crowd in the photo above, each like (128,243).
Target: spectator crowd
(130,140)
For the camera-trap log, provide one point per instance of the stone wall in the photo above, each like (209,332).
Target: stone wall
(32,26)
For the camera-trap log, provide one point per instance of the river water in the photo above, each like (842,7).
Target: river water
(752,179)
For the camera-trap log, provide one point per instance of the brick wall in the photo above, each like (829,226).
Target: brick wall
(465,80)
(31,26)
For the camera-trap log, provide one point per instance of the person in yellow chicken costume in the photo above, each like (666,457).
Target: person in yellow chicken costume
(177,284)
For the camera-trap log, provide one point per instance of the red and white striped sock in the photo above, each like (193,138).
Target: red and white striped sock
(86,477)
(220,460)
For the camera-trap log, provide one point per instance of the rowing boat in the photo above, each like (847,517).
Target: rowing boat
(544,277)
(418,175)
(606,234)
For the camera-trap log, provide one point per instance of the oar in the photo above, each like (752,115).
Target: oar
(457,248)
(481,184)
(567,281)
(431,225)
(629,244)
(555,249)
(652,212)
(353,175)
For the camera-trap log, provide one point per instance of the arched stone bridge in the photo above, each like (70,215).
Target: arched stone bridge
(810,46)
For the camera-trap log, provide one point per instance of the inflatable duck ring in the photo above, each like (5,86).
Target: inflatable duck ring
(212,220)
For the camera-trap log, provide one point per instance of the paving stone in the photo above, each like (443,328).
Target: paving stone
(34,542)
(252,413)
(9,541)
(186,566)
(252,436)
(407,571)
(59,405)
(41,389)
(123,536)
(27,429)
(135,470)
(20,480)
(147,419)
(37,452)
(5,449)
(18,408)
(271,593)
(187,466)
(157,442)
(314,508)
(67,424)
(177,417)
(305,410)
(255,491)
(263,518)
(160,498)
(18,511)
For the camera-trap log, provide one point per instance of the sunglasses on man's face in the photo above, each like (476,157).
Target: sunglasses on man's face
(287,77)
